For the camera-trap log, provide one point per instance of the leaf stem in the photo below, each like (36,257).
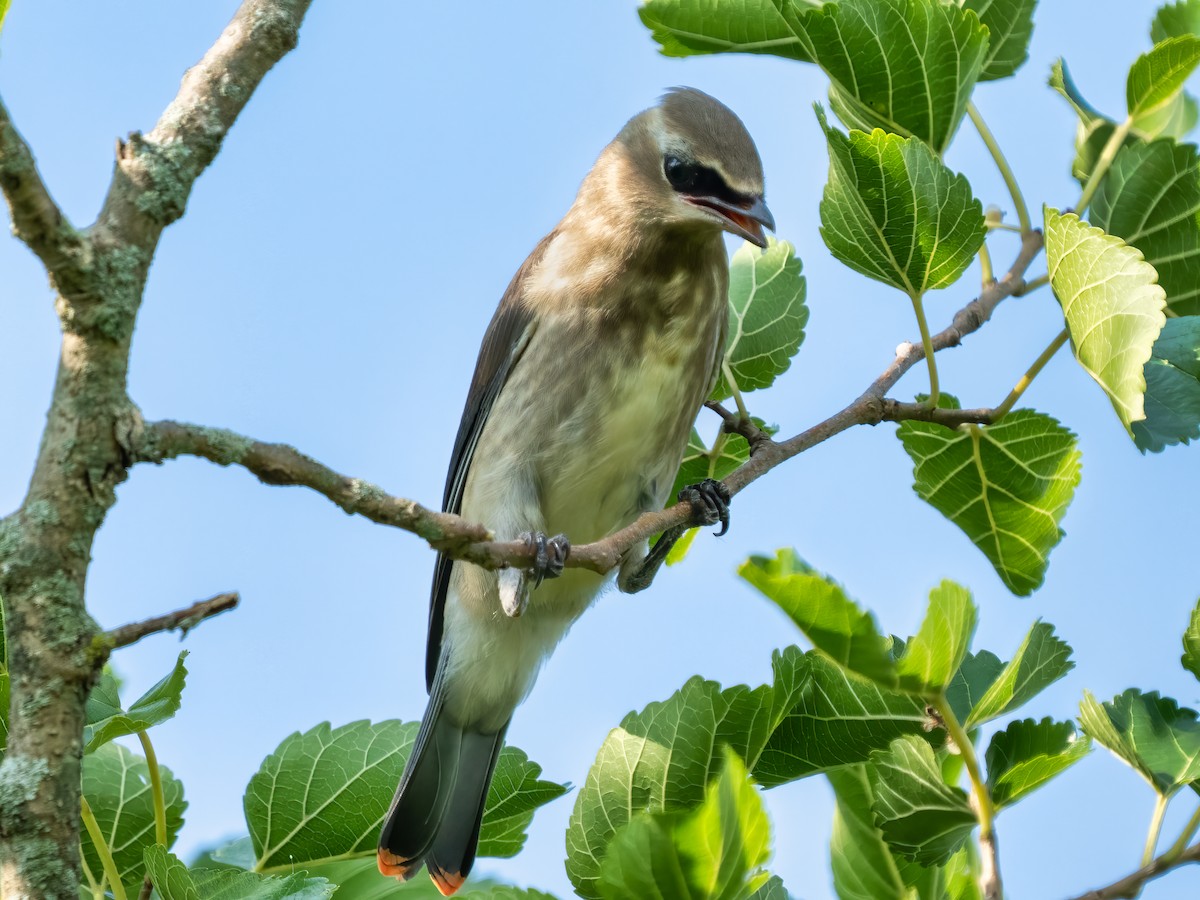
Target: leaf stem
(985,264)
(1189,832)
(927,344)
(1006,172)
(102,850)
(1040,282)
(1156,822)
(1027,379)
(156,790)
(985,809)
(1115,141)
(737,393)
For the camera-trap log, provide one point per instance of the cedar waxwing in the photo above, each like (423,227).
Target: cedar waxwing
(603,349)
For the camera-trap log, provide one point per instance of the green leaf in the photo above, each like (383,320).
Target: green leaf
(772,890)
(1158,76)
(834,623)
(1172,388)
(1010,26)
(922,818)
(906,66)
(116,785)
(1150,199)
(932,658)
(977,673)
(516,793)
(322,794)
(1112,304)
(848,635)
(106,719)
(1027,754)
(1155,735)
(1174,119)
(836,720)
(715,851)
(358,879)
(1191,644)
(1007,486)
(174,881)
(767,316)
(893,212)
(1176,20)
(811,718)
(1060,80)
(1041,660)
(694,27)
(4,5)
(863,866)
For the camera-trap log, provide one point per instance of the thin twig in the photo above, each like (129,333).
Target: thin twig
(1131,885)
(279,464)
(182,619)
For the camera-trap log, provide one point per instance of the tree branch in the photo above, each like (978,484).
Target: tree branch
(155,172)
(279,464)
(37,219)
(182,619)
(1131,885)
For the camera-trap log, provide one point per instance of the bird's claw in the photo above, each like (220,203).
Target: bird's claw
(710,504)
(549,554)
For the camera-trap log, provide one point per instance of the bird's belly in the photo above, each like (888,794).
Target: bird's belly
(617,455)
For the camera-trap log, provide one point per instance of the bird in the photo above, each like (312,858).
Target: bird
(604,346)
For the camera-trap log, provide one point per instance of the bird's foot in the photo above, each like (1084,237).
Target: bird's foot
(549,557)
(549,554)
(710,504)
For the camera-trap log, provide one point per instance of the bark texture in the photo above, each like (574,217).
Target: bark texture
(98,274)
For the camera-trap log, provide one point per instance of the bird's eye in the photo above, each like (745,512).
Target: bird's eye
(682,176)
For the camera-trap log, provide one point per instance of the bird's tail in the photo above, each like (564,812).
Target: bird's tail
(436,813)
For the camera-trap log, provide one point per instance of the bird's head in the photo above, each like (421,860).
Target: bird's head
(696,165)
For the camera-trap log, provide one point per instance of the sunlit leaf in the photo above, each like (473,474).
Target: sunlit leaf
(716,850)
(812,717)
(1113,307)
(1157,76)
(863,866)
(1027,754)
(1041,660)
(834,623)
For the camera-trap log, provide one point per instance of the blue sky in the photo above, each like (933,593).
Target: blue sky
(328,288)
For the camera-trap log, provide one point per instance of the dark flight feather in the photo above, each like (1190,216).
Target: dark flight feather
(503,342)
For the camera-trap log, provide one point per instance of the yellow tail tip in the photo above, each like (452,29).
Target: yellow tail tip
(393,865)
(447,882)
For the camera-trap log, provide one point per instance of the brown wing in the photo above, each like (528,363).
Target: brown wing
(503,343)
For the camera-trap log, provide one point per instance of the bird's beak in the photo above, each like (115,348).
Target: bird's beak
(744,221)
